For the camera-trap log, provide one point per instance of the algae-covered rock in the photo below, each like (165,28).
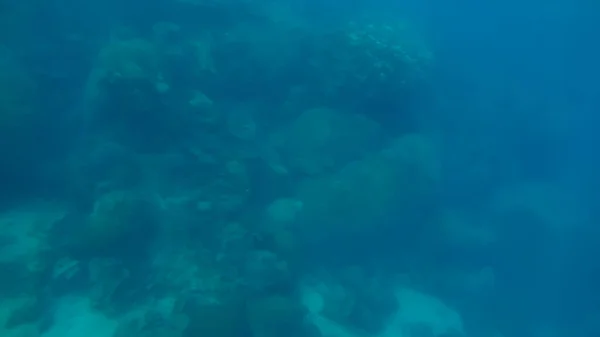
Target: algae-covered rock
(395,188)
(130,97)
(372,64)
(122,225)
(321,140)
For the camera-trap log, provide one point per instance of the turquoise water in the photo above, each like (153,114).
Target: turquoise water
(301,168)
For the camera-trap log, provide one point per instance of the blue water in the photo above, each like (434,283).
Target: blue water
(233,168)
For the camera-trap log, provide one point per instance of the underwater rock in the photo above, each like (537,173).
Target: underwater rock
(243,315)
(373,308)
(365,306)
(282,211)
(112,284)
(426,313)
(415,314)
(228,191)
(31,311)
(375,66)
(203,108)
(337,302)
(266,272)
(122,224)
(242,124)
(322,140)
(395,186)
(131,99)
